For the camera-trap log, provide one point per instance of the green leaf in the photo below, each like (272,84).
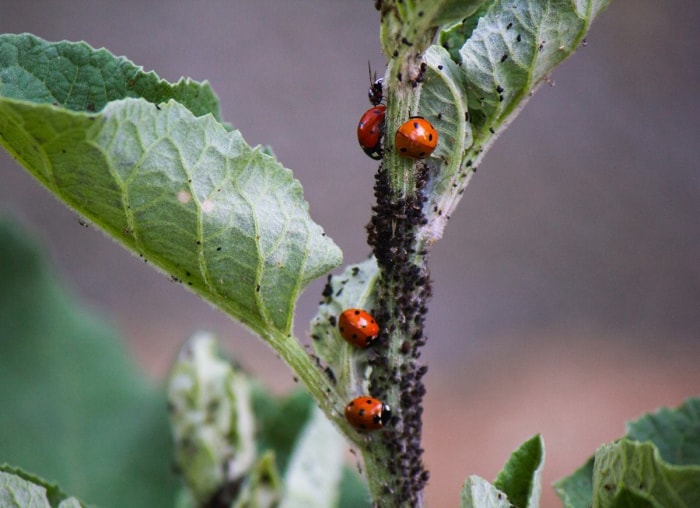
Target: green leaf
(263,488)
(675,432)
(211,418)
(75,410)
(478,493)
(178,189)
(576,490)
(23,490)
(518,484)
(443,102)
(353,490)
(353,288)
(494,61)
(280,421)
(515,46)
(452,38)
(627,468)
(521,477)
(77,77)
(313,476)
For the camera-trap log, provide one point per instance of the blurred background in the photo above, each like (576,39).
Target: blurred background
(567,286)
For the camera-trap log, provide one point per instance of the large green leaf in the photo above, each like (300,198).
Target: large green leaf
(628,470)
(74,408)
(179,189)
(576,490)
(664,470)
(675,432)
(77,77)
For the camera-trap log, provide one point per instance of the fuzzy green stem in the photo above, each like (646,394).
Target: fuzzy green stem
(315,380)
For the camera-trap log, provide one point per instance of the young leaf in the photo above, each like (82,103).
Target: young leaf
(521,477)
(74,408)
(178,189)
(477,82)
(514,46)
(576,490)
(627,469)
(353,288)
(313,476)
(478,493)
(211,418)
(263,487)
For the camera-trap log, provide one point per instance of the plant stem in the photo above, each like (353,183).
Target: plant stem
(394,461)
(315,381)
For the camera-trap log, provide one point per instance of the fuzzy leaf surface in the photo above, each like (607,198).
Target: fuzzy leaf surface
(164,178)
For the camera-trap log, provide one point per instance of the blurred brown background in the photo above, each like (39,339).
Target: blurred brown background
(567,287)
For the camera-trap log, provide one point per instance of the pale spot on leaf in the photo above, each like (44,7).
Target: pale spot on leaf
(207,206)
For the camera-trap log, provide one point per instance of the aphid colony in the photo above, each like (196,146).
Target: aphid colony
(415,139)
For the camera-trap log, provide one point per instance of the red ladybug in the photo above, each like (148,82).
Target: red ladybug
(358,327)
(370,131)
(367,413)
(416,138)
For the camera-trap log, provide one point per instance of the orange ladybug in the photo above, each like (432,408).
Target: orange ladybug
(416,138)
(358,327)
(367,413)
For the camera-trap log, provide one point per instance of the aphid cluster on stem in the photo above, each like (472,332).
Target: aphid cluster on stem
(392,235)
